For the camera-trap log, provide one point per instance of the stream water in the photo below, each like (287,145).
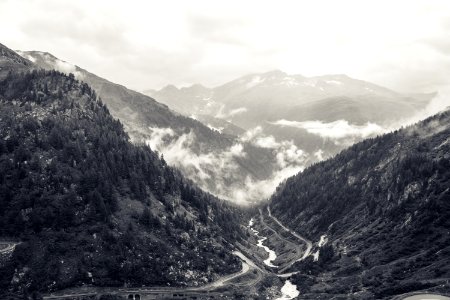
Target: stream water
(272,254)
(289,290)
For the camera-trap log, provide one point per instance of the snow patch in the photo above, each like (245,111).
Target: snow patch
(218,129)
(335,82)
(289,82)
(254,81)
(316,255)
(323,240)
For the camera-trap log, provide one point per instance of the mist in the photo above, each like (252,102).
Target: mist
(215,171)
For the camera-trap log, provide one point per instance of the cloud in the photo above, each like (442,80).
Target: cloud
(157,137)
(319,154)
(220,172)
(257,190)
(336,130)
(177,150)
(436,105)
(221,114)
(56,64)
(267,142)
(252,134)
(67,68)
(149,44)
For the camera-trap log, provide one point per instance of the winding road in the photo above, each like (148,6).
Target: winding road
(303,239)
(211,288)
(298,247)
(7,247)
(247,265)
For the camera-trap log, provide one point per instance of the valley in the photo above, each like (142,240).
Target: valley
(243,283)
(114,195)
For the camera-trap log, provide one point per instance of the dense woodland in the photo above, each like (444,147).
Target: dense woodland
(384,201)
(90,207)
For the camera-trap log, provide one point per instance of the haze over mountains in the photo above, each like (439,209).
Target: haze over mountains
(219,163)
(254,140)
(317,116)
(273,96)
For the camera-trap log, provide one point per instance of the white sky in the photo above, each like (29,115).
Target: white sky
(404,45)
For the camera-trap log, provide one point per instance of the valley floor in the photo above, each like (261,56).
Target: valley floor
(260,277)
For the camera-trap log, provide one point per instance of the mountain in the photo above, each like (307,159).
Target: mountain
(85,206)
(184,100)
(213,157)
(251,100)
(220,125)
(319,115)
(11,61)
(379,215)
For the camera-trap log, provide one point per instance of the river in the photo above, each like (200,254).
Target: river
(289,290)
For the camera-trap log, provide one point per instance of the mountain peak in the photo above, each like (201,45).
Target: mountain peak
(169,88)
(276,72)
(12,56)
(196,87)
(12,61)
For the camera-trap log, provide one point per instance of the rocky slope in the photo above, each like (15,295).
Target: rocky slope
(10,61)
(379,215)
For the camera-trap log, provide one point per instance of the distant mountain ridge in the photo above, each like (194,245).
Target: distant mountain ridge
(318,115)
(276,95)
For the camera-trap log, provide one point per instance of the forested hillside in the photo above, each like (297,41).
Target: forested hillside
(88,206)
(10,61)
(191,146)
(384,207)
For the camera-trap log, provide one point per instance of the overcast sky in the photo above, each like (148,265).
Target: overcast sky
(404,45)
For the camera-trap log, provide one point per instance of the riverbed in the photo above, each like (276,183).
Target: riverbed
(289,290)
(272,254)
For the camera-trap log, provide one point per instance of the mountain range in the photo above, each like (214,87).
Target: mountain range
(238,141)
(318,116)
(254,99)
(88,203)
(186,143)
